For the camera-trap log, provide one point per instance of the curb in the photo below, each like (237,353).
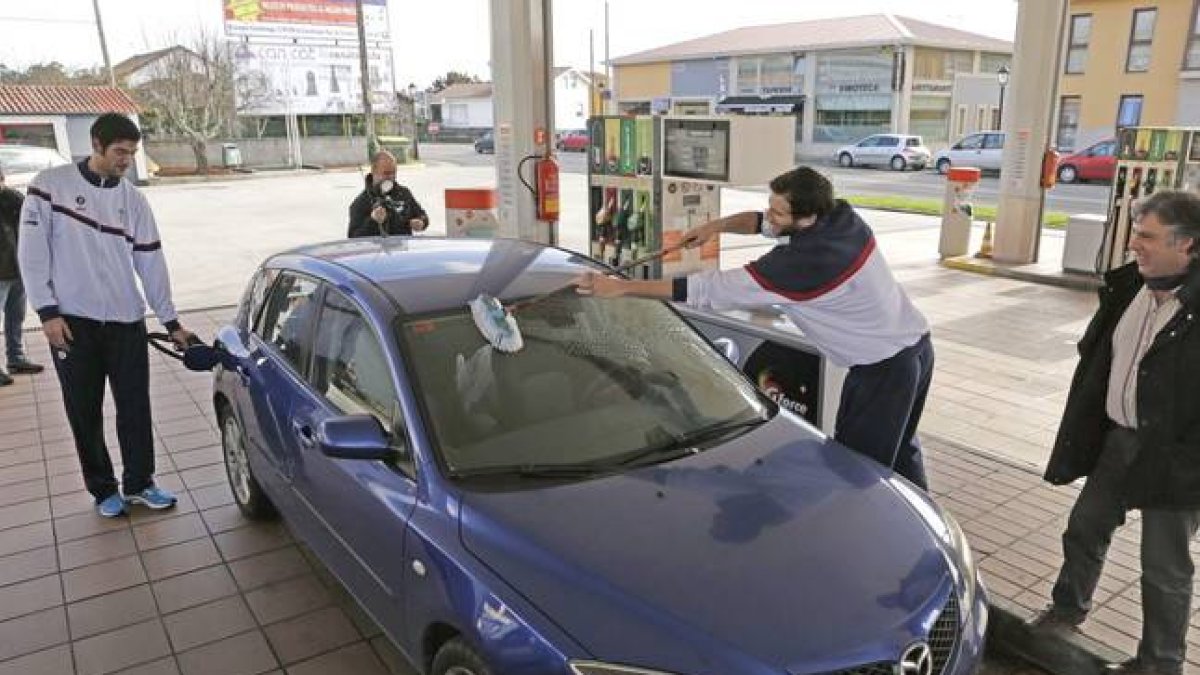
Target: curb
(1070,280)
(269,173)
(1061,652)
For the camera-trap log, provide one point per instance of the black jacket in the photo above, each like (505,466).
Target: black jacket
(405,209)
(1166,472)
(10,217)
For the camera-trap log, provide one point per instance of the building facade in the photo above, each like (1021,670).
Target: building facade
(843,78)
(1127,63)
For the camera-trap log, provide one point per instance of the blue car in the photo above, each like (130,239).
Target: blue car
(614,498)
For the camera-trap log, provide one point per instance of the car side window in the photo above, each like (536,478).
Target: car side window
(993,141)
(349,368)
(888,141)
(913,143)
(287,320)
(256,295)
(1104,150)
(973,142)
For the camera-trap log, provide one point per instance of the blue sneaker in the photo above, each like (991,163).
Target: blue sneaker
(152,497)
(111,506)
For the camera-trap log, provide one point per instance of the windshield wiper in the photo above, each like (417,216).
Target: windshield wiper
(676,446)
(575,470)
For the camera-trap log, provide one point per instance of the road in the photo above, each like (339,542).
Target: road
(1070,199)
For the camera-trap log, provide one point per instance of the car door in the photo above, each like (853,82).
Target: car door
(1099,162)
(357,510)
(993,151)
(864,151)
(885,148)
(273,371)
(967,151)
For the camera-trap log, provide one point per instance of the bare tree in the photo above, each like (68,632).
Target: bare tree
(195,92)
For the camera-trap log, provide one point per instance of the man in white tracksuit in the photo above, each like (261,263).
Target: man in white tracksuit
(829,278)
(87,237)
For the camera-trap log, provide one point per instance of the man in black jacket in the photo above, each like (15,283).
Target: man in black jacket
(384,207)
(1132,426)
(12,293)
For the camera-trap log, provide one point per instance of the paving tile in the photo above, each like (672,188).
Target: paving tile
(27,512)
(204,476)
(311,634)
(255,538)
(211,495)
(224,518)
(357,659)
(194,588)
(53,661)
(208,623)
(121,648)
(98,548)
(33,633)
(287,599)
(171,530)
(111,611)
(28,537)
(28,565)
(101,578)
(79,526)
(245,654)
(200,457)
(265,568)
(164,666)
(391,657)
(17,493)
(176,559)
(30,596)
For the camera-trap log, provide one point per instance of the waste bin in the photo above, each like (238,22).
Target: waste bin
(957,211)
(400,146)
(231,155)
(1085,237)
(471,212)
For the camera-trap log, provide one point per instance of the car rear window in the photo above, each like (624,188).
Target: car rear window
(913,143)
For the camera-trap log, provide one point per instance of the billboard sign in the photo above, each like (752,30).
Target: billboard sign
(309,79)
(327,19)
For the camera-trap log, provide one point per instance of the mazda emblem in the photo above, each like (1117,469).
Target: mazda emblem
(917,660)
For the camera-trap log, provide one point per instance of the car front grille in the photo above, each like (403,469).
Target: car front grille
(942,639)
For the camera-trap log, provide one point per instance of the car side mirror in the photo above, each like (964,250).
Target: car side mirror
(354,437)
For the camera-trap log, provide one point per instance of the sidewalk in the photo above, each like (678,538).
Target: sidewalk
(200,589)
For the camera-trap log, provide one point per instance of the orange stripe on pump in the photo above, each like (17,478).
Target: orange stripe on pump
(479,198)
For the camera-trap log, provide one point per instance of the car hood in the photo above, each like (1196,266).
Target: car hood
(766,549)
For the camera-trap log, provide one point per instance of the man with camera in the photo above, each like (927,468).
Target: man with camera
(385,208)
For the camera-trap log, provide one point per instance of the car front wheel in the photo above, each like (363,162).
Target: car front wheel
(247,493)
(457,658)
(1067,174)
(846,160)
(898,163)
(943,166)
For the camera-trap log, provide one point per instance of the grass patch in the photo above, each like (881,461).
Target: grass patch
(1055,220)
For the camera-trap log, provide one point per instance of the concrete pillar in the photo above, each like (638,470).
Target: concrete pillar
(1028,123)
(522,60)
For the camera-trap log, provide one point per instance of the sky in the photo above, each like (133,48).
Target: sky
(430,37)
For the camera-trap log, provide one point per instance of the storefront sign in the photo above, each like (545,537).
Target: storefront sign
(936,87)
(860,88)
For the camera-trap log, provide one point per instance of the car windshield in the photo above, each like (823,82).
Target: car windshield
(600,385)
(27,159)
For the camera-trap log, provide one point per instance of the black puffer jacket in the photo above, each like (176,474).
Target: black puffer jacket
(10,216)
(1166,472)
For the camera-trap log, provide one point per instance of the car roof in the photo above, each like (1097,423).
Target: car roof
(432,274)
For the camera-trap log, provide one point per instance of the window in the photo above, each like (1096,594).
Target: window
(972,142)
(1068,122)
(256,295)
(288,317)
(1104,149)
(775,76)
(1140,36)
(1129,114)
(1081,33)
(747,75)
(1191,59)
(349,368)
(990,63)
(993,142)
(960,121)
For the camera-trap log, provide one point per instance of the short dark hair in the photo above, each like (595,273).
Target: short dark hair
(1178,211)
(112,127)
(808,193)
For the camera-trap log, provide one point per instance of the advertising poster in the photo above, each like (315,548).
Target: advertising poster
(310,80)
(304,19)
(790,377)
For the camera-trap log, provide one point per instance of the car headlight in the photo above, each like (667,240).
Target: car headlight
(948,530)
(597,668)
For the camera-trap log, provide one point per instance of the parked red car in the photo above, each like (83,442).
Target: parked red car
(574,141)
(1095,162)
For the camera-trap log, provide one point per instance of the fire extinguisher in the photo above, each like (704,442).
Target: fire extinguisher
(545,171)
(1049,168)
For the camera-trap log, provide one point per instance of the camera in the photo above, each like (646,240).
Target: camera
(383,197)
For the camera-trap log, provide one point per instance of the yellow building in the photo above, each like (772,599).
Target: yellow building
(1127,63)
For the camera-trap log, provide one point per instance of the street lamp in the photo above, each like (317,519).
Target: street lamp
(1002,78)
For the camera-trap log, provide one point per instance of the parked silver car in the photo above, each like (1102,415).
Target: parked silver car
(982,150)
(22,162)
(898,151)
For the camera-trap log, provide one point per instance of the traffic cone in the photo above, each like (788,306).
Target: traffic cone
(985,247)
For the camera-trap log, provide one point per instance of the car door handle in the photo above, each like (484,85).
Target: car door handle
(304,433)
(243,375)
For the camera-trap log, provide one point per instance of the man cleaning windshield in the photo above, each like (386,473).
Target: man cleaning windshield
(826,275)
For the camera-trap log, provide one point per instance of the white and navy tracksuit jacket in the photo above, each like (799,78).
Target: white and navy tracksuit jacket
(84,245)
(834,284)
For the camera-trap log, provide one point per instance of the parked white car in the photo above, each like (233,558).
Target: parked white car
(982,150)
(22,162)
(898,151)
